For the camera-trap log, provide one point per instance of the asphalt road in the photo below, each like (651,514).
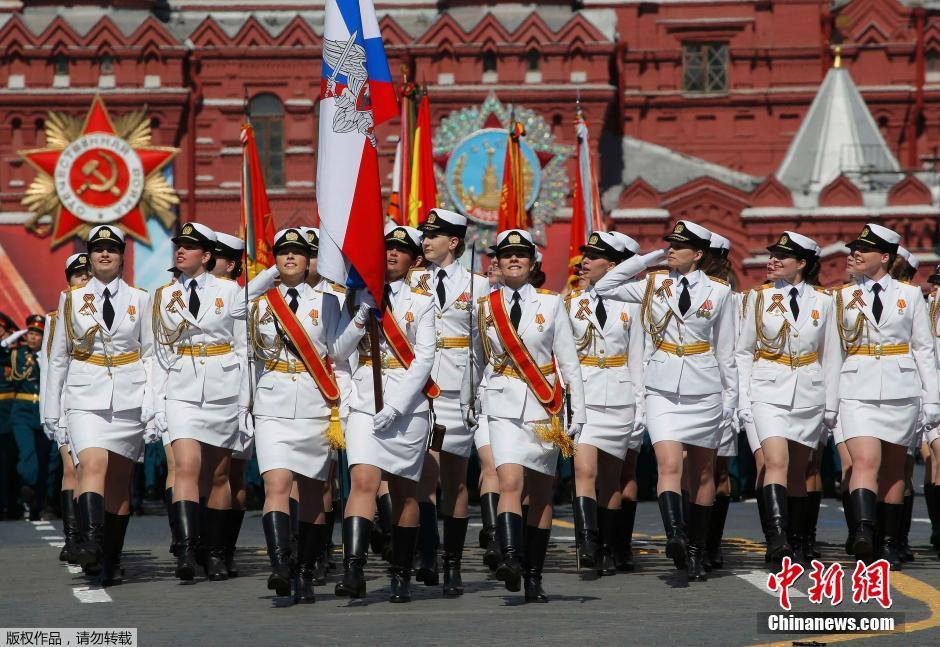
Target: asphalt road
(654,605)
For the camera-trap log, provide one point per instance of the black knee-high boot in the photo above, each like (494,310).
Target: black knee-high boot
(489,503)
(429,540)
(775,507)
(714,557)
(624,536)
(698,525)
(796,510)
(322,534)
(233,529)
(404,540)
(455,534)
(891,520)
(171,520)
(200,543)
(308,547)
(69,525)
(670,507)
(324,560)
(907,555)
(535,549)
(864,506)
(187,529)
(810,521)
(762,514)
(850,522)
(294,506)
(115,529)
(608,522)
(381,536)
(509,530)
(277,535)
(89,552)
(585,530)
(930,491)
(355,543)
(215,539)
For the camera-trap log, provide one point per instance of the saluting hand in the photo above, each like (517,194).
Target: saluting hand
(385,417)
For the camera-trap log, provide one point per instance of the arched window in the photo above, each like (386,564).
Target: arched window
(490,75)
(61,65)
(267,116)
(532,60)
(107,64)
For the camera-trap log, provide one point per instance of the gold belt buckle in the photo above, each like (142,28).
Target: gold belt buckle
(680,350)
(201,349)
(794,361)
(291,366)
(878,351)
(601,362)
(440,343)
(385,361)
(108,361)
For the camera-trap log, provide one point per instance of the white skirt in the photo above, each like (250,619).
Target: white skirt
(691,419)
(889,420)
(728,446)
(481,437)
(121,433)
(801,425)
(212,423)
(399,449)
(610,429)
(515,443)
(457,439)
(244,452)
(931,435)
(295,444)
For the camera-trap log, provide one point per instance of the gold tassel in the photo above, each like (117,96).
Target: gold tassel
(334,433)
(555,434)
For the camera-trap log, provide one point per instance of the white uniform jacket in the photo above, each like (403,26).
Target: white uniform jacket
(933,310)
(452,321)
(798,367)
(890,359)
(97,368)
(402,388)
(294,393)
(611,356)
(709,320)
(546,332)
(199,358)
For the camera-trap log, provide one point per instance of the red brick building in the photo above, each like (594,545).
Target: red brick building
(693,107)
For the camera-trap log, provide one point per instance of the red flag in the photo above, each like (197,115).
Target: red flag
(578,231)
(257,221)
(423,196)
(512,213)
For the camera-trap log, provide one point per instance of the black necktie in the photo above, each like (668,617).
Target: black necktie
(685,299)
(441,289)
(107,310)
(293,303)
(601,312)
(515,313)
(877,306)
(193,299)
(794,303)
(387,299)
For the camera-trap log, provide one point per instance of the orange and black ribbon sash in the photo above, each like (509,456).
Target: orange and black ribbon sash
(320,370)
(403,351)
(550,396)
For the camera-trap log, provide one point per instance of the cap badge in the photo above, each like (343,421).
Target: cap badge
(104,232)
(515,238)
(784,239)
(291,235)
(399,234)
(310,238)
(865,232)
(83,259)
(594,239)
(187,230)
(432,217)
(679,228)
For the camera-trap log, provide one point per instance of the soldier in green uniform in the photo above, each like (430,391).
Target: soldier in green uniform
(31,442)
(8,507)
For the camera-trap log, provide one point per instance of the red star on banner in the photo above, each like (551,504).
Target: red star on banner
(66,223)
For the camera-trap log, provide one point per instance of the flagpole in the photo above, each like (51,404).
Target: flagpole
(249,350)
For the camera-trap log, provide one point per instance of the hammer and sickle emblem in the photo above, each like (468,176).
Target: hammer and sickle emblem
(90,171)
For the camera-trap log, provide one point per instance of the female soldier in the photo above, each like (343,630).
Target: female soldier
(392,441)
(691,378)
(101,361)
(77,275)
(889,361)
(526,340)
(789,375)
(931,448)
(295,396)
(844,459)
(607,336)
(198,381)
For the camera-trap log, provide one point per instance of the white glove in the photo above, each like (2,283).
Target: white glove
(653,258)
(246,425)
(146,414)
(727,413)
(11,339)
(574,430)
(745,416)
(932,414)
(159,421)
(364,298)
(61,436)
(362,315)
(152,434)
(385,417)
(639,423)
(470,417)
(50,427)
(830,418)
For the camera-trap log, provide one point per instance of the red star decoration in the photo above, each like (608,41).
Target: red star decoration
(153,158)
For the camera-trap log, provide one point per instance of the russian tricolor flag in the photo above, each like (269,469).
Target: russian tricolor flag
(356,94)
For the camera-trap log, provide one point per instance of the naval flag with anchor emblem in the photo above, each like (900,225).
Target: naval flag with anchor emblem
(356,94)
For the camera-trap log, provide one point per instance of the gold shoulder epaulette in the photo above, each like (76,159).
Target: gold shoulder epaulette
(420,291)
(845,285)
(820,288)
(73,288)
(53,314)
(657,272)
(544,291)
(336,287)
(573,294)
(718,280)
(141,289)
(904,281)
(224,278)
(483,299)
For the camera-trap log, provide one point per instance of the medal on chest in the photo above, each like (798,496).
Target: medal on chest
(409,319)
(705,312)
(176,301)
(463,301)
(856,300)
(89,307)
(132,313)
(624,318)
(665,290)
(815,316)
(901,305)
(776,307)
(315,317)
(584,310)
(540,320)
(219,304)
